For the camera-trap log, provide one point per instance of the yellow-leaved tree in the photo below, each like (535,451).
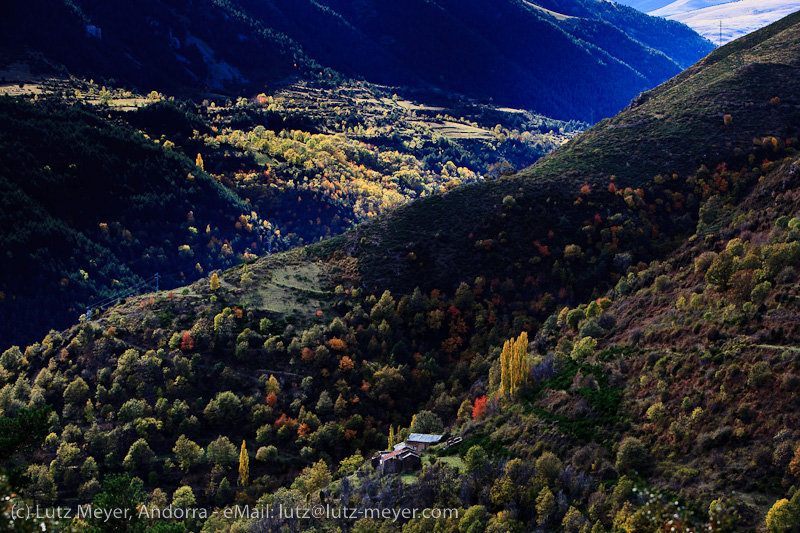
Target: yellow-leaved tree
(244,466)
(514,364)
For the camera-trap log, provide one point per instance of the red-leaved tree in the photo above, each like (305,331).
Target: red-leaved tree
(187,342)
(479,409)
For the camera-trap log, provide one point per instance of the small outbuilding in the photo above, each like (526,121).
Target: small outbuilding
(400,460)
(421,441)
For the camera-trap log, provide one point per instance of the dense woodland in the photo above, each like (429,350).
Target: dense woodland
(611,332)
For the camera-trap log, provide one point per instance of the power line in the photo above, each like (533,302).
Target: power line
(134,289)
(153,281)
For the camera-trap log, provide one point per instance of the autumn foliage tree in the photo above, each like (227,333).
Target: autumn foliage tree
(346,364)
(479,409)
(187,342)
(337,344)
(794,464)
(244,466)
(514,364)
(272,399)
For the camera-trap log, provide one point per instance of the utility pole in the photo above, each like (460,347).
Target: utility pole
(720,32)
(156,283)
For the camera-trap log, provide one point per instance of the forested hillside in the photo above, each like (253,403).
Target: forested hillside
(100,196)
(90,208)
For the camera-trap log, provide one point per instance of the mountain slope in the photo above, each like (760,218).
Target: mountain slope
(738,18)
(573,59)
(236,181)
(670,131)
(92,208)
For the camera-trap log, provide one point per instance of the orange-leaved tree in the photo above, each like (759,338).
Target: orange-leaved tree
(479,409)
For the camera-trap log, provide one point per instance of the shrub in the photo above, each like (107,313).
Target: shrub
(265,453)
(574,317)
(703,261)
(593,309)
(632,456)
(760,292)
(475,459)
(721,270)
(623,287)
(656,412)
(635,336)
(663,282)
(549,466)
(758,375)
(790,382)
(591,328)
(583,348)
(716,438)
(787,275)
(606,322)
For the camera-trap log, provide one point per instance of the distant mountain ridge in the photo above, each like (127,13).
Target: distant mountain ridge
(726,20)
(645,6)
(564,58)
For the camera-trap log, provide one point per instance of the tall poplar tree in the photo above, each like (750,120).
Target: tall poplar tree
(244,466)
(514,364)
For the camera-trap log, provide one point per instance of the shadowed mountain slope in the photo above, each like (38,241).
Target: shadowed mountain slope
(569,59)
(706,115)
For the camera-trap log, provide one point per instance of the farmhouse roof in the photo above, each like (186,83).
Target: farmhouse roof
(424,437)
(398,454)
